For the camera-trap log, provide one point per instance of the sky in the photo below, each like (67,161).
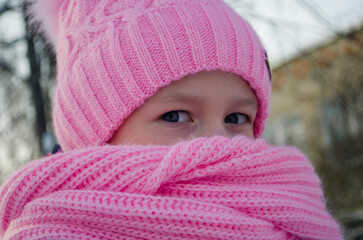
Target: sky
(286,27)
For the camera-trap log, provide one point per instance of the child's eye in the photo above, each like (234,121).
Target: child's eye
(236,118)
(176,116)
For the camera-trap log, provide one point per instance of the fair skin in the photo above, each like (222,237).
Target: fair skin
(204,104)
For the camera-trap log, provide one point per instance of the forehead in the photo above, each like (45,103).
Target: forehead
(207,84)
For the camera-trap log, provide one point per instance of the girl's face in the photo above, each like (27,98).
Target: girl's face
(200,105)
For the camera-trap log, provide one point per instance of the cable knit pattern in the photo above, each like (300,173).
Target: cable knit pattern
(206,188)
(113,55)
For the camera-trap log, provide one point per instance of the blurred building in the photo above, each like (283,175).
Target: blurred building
(317,105)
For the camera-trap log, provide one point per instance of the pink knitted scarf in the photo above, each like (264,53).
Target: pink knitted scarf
(206,188)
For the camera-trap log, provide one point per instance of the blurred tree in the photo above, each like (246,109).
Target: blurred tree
(24,122)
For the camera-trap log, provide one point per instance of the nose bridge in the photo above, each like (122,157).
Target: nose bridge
(213,127)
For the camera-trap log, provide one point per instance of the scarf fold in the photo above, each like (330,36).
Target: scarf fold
(206,188)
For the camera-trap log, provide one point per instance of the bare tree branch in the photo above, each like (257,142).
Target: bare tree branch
(315,13)
(288,23)
(4,44)
(5,7)
(4,66)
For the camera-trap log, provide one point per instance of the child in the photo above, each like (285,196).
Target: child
(159,108)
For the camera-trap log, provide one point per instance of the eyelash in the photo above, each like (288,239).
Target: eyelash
(163,117)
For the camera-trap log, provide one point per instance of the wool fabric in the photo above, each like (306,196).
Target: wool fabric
(113,55)
(206,188)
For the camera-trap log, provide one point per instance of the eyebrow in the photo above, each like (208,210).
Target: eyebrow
(195,99)
(180,97)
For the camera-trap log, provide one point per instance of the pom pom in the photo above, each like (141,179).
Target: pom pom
(44,16)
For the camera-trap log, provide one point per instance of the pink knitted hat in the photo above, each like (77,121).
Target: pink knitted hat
(112,55)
